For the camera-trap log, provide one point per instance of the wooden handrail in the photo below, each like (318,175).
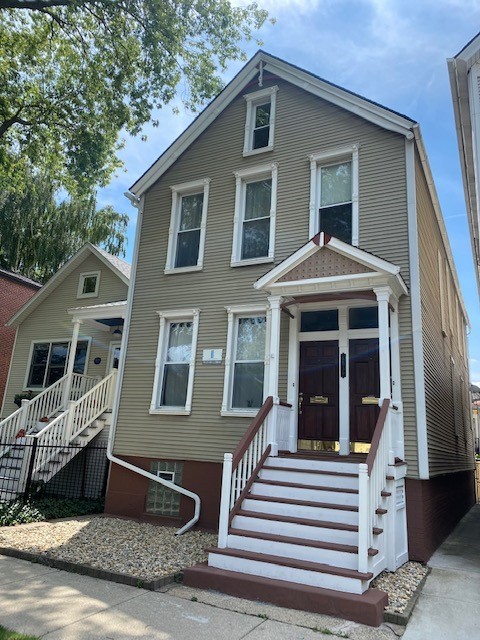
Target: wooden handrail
(248,436)
(285,404)
(377,434)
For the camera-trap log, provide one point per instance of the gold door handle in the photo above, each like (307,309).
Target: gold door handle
(370,400)
(318,400)
(300,400)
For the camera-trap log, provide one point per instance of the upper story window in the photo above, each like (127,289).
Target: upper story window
(260,122)
(175,363)
(186,241)
(88,284)
(334,194)
(255,212)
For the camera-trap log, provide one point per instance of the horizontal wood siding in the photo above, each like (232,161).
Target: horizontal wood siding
(304,125)
(50,321)
(450,440)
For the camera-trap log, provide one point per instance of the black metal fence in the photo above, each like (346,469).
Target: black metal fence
(32,470)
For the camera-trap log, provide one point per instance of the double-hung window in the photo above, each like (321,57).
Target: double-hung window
(49,360)
(260,121)
(175,363)
(186,241)
(255,212)
(245,361)
(334,194)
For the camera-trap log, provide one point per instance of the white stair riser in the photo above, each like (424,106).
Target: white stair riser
(289,574)
(315,465)
(313,495)
(295,530)
(312,479)
(286,550)
(299,511)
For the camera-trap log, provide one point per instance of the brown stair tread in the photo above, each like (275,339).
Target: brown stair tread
(297,485)
(317,544)
(302,503)
(385,494)
(306,565)
(390,477)
(381,512)
(315,471)
(323,524)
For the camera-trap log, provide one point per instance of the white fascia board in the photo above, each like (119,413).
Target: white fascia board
(438,214)
(470,49)
(98,312)
(355,104)
(358,255)
(287,265)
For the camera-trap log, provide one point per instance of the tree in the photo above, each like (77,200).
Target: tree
(38,233)
(74,73)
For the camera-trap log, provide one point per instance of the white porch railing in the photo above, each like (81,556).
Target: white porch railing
(80,414)
(372,481)
(81,384)
(240,468)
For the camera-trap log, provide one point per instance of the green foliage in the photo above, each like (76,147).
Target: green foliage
(7,634)
(74,73)
(38,233)
(41,509)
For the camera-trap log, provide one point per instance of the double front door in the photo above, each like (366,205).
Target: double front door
(322,406)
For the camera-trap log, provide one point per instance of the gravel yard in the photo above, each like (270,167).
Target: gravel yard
(142,550)
(400,585)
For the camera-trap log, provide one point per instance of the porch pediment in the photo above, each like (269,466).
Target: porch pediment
(325,264)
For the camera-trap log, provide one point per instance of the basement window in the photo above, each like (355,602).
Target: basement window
(162,501)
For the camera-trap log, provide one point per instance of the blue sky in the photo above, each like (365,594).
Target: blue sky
(391,51)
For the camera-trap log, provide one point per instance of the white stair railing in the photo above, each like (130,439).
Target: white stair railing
(372,476)
(81,384)
(252,450)
(62,430)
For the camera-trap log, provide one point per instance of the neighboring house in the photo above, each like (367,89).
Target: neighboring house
(464,72)
(66,354)
(295,293)
(15,290)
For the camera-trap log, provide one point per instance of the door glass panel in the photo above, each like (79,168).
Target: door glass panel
(363,318)
(319,320)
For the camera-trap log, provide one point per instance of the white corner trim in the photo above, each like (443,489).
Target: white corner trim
(416,305)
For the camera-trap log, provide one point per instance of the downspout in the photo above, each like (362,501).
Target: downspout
(138,204)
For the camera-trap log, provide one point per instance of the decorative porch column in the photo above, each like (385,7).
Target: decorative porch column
(71,359)
(383,298)
(274,351)
(397,431)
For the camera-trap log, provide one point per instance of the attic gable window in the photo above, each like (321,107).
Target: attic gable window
(88,285)
(186,241)
(260,121)
(334,193)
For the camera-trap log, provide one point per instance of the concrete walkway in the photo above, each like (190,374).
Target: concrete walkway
(449,606)
(57,605)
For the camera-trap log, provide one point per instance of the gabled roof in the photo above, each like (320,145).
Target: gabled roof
(360,106)
(356,267)
(119,267)
(17,276)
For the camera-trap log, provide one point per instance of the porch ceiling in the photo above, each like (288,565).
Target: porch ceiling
(109,314)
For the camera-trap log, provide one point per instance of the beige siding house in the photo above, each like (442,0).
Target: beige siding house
(295,305)
(63,367)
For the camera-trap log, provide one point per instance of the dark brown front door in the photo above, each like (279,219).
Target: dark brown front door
(318,391)
(364,381)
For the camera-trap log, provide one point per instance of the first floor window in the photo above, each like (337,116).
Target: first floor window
(49,361)
(173,386)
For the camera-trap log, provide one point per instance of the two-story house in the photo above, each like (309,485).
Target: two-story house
(295,313)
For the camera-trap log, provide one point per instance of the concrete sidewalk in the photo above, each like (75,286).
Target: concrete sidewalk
(449,605)
(45,602)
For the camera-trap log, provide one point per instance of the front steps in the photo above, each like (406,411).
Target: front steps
(294,541)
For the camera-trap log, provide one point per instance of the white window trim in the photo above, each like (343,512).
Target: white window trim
(167,317)
(242,178)
(317,160)
(178,191)
(233,313)
(86,339)
(253,100)
(81,281)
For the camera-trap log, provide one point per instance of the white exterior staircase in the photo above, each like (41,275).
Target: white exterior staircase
(41,437)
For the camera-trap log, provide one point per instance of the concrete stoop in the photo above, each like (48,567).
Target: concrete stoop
(367,608)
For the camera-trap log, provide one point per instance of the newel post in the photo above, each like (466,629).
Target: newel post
(225,501)
(363,518)
(23,417)
(71,360)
